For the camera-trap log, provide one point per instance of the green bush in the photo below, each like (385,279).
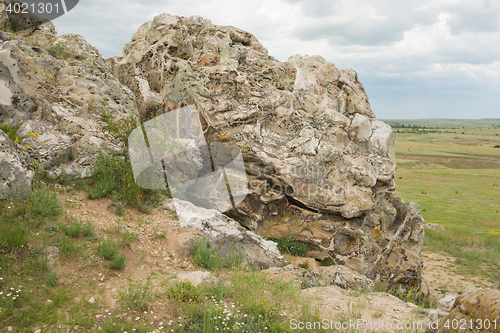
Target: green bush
(206,256)
(108,250)
(11,131)
(66,246)
(52,279)
(118,263)
(43,201)
(184,291)
(77,229)
(291,246)
(73,230)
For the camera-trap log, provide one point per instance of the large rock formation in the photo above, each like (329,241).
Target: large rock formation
(309,138)
(319,165)
(58,86)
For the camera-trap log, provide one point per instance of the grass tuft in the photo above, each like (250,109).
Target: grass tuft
(118,263)
(108,250)
(137,297)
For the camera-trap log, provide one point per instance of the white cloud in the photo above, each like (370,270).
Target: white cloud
(448,45)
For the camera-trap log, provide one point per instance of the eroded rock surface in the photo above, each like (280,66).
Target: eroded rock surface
(229,238)
(16,171)
(319,165)
(310,141)
(477,311)
(58,86)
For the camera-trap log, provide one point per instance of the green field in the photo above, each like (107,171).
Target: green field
(448,123)
(454,175)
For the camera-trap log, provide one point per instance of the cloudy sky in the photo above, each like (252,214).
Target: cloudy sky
(416,59)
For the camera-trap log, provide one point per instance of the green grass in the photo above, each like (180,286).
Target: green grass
(236,306)
(108,249)
(118,263)
(447,123)
(291,246)
(454,175)
(205,255)
(77,229)
(52,279)
(137,297)
(43,201)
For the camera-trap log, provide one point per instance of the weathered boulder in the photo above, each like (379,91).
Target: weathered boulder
(228,237)
(299,276)
(477,311)
(343,277)
(309,138)
(59,86)
(16,174)
(196,277)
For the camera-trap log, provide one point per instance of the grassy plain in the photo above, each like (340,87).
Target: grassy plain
(453,173)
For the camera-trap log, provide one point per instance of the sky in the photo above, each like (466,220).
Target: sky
(416,59)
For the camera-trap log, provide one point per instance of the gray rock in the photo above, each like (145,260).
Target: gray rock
(60,98)
(196,277)
(446,303)
(52,253)
(16,174)
(434,226)
(306,279)
(343,277)
(228,237)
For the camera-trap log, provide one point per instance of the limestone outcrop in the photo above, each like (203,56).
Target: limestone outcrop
(58,86)
(319,165)
(477,311)
(16,172)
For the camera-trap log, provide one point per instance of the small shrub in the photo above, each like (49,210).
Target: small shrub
(77,229)
(204,255)
(128,238)
(145,209)
(108,250)
(60,51)
(137,297)
(11,131)
(50,227)
(105,177)
(184,291)
(73,230)
(120,208)
(44,202)
(66,246)
(304,265)
(291,246)
(118,263)
(39,261)
(52,279)
(88,229)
